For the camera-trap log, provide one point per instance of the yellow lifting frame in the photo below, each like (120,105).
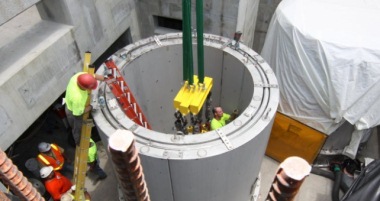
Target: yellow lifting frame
(81,152)
(191,98)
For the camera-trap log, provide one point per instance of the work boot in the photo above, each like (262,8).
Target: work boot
(102,175)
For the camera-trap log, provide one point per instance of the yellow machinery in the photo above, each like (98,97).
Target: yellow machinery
(191,98)
(196,89)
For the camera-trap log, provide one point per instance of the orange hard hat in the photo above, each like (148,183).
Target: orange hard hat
(87,81)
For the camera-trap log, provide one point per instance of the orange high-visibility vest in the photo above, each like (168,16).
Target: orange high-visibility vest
(56,161)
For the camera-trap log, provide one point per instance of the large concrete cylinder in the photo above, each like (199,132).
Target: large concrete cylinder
(221,165)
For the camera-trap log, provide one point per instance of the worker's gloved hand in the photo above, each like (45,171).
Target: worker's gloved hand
(67,196)
(236,111)
(89,108)
(94,106)
(234,114)
(107,73)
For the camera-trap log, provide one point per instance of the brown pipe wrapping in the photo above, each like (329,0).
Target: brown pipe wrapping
(129,171)
(288,180)
(16,181)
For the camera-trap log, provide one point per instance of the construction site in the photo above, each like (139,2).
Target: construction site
(192,100)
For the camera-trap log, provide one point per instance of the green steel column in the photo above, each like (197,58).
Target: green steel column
(185,63)
(199,13)
(189,43)
(190,59)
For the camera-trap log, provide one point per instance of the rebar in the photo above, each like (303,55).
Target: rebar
(19,185)
(289,177)
(128,167)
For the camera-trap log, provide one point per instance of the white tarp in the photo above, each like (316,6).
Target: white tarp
(326,56)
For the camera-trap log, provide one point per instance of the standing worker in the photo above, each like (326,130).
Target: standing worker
(52,155)
(93,161)
(55,183)
(76,98)
(220,118)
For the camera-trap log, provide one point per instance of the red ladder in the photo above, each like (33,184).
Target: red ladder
(124,95)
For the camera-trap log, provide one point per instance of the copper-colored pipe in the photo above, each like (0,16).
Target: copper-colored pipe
(18,184)
(290,175)
(128,167)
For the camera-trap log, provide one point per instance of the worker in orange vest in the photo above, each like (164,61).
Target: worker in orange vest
(52,155)
(55,183)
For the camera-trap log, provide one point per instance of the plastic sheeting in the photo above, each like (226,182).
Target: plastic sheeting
(326,56)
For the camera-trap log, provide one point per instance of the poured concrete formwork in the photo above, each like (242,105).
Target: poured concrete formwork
(217,165)
(9,9)
(32,79)
(97,24)
(264,16)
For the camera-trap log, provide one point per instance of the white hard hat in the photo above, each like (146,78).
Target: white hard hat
(73,187)
(66,197)
(44,147)
(46,171)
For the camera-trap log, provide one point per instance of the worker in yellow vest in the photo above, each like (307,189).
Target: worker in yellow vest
(93,161)
(52,155)
(221,118)
(76,98)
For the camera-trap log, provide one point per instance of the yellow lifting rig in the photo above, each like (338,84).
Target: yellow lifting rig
(196,89)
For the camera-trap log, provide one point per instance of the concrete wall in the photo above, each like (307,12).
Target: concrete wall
(9,9)
(220,17)
(247,18)
(97,24)
(39,64)
(264,16)
(36,66)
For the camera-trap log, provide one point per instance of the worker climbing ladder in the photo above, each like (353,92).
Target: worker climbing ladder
(124,95)
(81,152)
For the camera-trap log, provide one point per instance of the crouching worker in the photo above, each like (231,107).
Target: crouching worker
(55,183)
(54,156)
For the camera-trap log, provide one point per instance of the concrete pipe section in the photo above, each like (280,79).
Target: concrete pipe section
(220,165)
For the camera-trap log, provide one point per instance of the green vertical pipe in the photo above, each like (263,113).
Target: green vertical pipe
(199,13)
(191,67)
(185,67)
(188,41)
